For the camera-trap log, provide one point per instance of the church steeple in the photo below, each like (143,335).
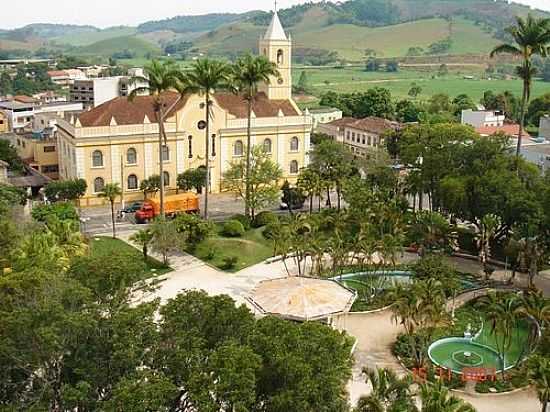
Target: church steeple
(277,47)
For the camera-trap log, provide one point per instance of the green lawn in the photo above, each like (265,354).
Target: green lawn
(355,79)
(104,246)
(249,250)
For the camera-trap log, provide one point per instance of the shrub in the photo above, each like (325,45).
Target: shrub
(194,228)
(245,220)
(233,228)
(63,211)
(270,230)
(229,262)
(264,219)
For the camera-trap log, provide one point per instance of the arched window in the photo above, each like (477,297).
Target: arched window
(132,182)
(99,184)
(166,178)
(294,167)
(190,138)
(280,56)
(165,153)
(267,145)
(238,148)
(213,145)
(97,158)
(131,156)
(294,144)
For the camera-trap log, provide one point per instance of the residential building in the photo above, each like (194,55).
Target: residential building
(324,115)
(510,130)
(93,92)
(93,71)
(3,172)
(19,115)
(483,118)
(360,135)
(37,152)
(544,127)
(66,77)
(21,98)
(117,141)
(4,122)
(49,97)
(538,154)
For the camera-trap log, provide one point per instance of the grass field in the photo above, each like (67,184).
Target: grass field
(356,80)
(104,246)
(250,249)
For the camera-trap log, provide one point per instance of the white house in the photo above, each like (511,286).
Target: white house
(483,118)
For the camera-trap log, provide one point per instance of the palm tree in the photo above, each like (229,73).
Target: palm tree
(389,392)
(205,77)
(432,233)
(533,303)
(160,78)
(502,315)
(539,377)
(531,37)
(488,228)
(111,191)
(436,398)
(247,73)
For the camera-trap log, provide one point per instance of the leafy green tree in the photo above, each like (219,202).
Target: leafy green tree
(205,77)
(373,64)
(158,78)
(488,229)
(192,179)
(62,210)
(6,84)
(264,176)
(248,73)
(309,182)
(531,37)
(11,196)
(165,238)
(143,238)
(193,229)
(539,377)
(538,108)
(8,154)
(110,192)
(414,91)
(407,111)
(463,102)
(63,190)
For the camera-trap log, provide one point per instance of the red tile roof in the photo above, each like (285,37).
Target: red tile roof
(344,121)
(24,99)
(127,112)
(508,129)
(376,125)
(58,73)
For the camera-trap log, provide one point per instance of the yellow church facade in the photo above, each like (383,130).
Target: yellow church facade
(117,142)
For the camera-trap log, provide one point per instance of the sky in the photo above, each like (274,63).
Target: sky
(106,13)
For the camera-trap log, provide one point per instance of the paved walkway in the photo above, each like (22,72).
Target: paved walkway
(375,332)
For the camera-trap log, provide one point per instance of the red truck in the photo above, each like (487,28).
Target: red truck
(173,205)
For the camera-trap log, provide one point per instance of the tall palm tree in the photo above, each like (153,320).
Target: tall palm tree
(205,77)
(248,73)
(436,398)
(488,228)
(432,233)
(539,377)
(389,392)
(531,37)
(111,191)
(159,78)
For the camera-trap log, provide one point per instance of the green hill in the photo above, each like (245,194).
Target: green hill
(90,37)
(135,46)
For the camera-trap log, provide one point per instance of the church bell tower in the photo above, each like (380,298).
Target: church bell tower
(277,47)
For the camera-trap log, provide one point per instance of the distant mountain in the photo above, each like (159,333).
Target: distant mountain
(183,24)
(321,31)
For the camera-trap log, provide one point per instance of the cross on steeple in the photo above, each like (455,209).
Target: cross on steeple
(275,6)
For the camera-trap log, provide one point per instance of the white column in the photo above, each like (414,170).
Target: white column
(180,154)
(80,161)
(148,159)
(281,150)
(115,164)
(225,148)
(307,148)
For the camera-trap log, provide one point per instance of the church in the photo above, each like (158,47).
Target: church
(117,142)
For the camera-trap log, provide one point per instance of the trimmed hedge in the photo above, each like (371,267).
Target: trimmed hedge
(233,228)
(264,219)
(245,220)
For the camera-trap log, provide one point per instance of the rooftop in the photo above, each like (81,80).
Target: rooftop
(367,124)
(321,110)
(127,112)
(275,30)
(12,105)
(508,129)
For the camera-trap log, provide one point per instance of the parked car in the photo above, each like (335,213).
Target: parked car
(132,207)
